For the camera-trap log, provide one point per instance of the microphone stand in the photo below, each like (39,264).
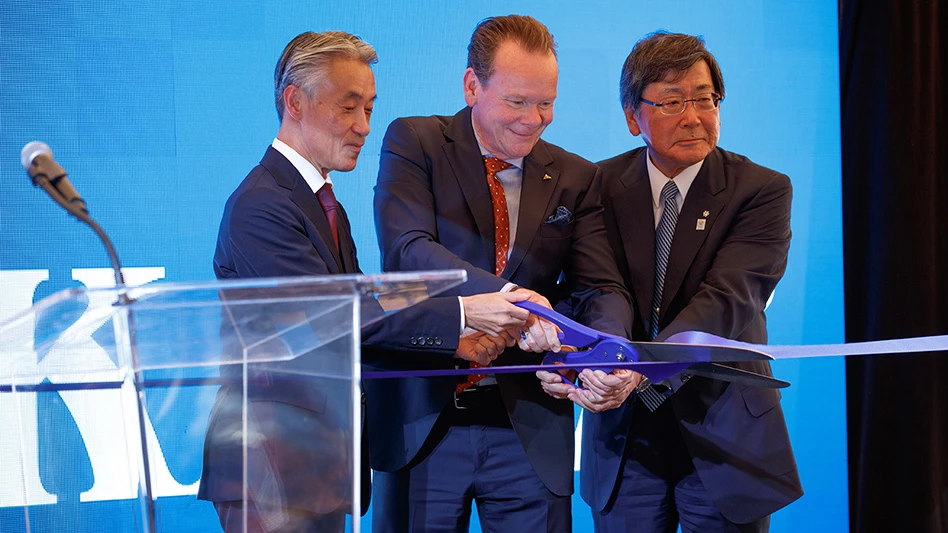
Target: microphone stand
(77,208)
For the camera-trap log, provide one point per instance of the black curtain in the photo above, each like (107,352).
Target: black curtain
(895,233)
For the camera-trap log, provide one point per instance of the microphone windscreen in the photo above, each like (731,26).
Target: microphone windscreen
(32,150)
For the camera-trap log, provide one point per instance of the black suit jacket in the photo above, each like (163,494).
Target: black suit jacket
(718,281)
(433,211)
(274,226)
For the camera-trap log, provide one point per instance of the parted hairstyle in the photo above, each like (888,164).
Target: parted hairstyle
(532,35)
(658,55)
(305,59)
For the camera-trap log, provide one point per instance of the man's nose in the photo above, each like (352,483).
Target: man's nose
(361,125)
(533,116)
(689,117)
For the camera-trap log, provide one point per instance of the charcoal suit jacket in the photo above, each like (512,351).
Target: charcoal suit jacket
(273,226)
(728,253)
(433,211)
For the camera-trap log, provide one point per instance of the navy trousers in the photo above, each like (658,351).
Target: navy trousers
(471,457)
(658,487)
(277,520)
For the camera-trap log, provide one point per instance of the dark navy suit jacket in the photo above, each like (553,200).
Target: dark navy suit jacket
(433,211)
(274,226)
(718,281)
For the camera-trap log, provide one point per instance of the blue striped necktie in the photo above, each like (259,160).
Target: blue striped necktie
(664,234)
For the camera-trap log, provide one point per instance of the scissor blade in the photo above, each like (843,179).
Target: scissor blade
(735,375)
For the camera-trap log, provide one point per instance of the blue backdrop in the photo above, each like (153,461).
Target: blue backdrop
(159,108)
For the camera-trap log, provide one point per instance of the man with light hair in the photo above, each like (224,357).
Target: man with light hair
(284,220)
(482,191)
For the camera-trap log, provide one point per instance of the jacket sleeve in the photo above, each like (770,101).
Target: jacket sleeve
(405,216)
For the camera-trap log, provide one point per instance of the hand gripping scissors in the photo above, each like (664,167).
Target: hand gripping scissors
(657,361)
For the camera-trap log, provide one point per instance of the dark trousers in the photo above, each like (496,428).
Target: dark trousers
(471,457)
(277,520)
(658,487)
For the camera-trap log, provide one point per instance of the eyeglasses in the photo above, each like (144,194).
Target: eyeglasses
(676,106)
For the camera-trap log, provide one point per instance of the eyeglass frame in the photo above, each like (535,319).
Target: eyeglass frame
(715,97)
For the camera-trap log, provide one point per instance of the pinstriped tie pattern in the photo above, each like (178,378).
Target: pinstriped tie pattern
(664,234)
(498,201)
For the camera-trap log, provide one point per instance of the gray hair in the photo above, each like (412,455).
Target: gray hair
(656,56)
(305,58)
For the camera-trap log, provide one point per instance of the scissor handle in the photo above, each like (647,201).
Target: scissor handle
(574,333)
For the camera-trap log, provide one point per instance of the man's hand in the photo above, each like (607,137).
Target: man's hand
(604,391)
(480,348)
(494,312)
(538,335)
(552,383)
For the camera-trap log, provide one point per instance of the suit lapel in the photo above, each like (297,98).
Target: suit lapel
(302,195)
(535,194)
(636,221)
(688,237)
(464,157)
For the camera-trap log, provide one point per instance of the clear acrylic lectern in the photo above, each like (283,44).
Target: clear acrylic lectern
(139,398)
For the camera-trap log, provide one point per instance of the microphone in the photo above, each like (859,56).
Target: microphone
(46,173)
(37,159)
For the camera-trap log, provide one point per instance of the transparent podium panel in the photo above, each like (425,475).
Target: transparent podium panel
(182,407)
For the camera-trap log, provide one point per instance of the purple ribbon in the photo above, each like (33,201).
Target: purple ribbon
(938,343)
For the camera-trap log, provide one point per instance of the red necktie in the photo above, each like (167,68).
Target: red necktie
(501,235)
(327,200)
(501,220)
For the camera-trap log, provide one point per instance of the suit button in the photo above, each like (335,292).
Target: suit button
(413,341)
(363,398)
(438,341)
(429,341)
(685,377)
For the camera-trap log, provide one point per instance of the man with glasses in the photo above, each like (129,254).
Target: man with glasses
(701,238)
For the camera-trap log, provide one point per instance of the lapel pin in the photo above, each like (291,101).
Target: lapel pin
(706,213)
(547,177)
(700,225)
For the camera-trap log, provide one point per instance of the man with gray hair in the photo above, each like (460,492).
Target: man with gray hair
(284,220)
(701,237)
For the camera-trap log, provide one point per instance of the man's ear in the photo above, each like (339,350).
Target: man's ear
(632,121)
(293,102)
(472,87)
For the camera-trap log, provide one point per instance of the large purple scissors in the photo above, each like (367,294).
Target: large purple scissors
(657,361)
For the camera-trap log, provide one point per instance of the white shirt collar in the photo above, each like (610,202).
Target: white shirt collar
(518,162)
(313,178)
(683,180)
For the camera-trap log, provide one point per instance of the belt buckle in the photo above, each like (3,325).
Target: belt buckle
(456,405)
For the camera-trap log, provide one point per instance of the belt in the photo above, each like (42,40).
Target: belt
(483,397)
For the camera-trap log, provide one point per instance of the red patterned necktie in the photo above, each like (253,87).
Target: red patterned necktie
(327,200)
(501,235)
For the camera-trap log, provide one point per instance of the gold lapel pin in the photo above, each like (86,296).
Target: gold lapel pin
(547,177)
(706,213)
